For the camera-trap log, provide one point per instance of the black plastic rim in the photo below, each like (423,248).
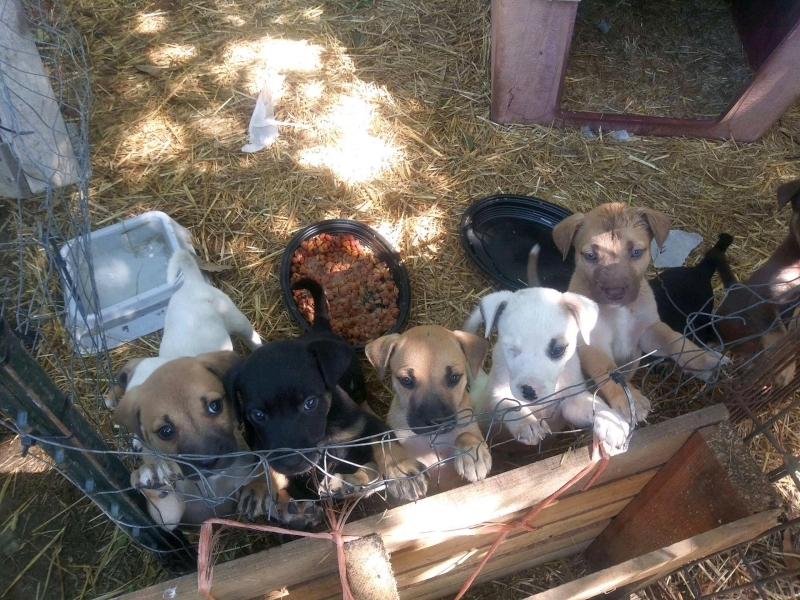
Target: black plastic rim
(524,208)
(366,235)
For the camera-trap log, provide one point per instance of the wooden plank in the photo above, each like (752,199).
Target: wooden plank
(12,179)
(711,480)
(411,570)
(664,560)
(32,123)
(451,582)
(494,498)
(530,46)
(564,515)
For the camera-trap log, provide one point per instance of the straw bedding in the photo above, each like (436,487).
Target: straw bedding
(388,102)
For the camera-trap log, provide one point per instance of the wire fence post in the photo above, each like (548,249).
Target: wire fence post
(44,416)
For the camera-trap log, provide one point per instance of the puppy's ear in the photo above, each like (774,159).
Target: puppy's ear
(220,362)
(789,192)
(488,311)
(658,224)
(380,351)
(475,349)
(231,382)
(127,412)
(565,231)
(333,358)
(584,310)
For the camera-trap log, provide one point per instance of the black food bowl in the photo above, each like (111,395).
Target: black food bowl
(498,233)
(380,247)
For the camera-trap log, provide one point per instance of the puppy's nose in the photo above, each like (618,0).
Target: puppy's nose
(528,392)
(615,293)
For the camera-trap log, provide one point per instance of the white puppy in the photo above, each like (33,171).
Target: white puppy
(200,319)
(535,384)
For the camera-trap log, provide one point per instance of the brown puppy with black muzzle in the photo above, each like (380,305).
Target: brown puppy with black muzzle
(431,413)
(195,460)
(612,253)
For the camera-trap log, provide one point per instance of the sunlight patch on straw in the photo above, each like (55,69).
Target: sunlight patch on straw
(148,23)
(171,54)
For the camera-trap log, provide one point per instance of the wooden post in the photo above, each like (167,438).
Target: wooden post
(711,481)
(660,563)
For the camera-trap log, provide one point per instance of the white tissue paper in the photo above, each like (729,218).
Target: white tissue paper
(263,126)
(677,247)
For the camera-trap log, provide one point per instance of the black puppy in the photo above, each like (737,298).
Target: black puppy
(682,291)
(297,398)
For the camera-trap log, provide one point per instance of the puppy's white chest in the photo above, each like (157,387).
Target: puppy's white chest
(623,327)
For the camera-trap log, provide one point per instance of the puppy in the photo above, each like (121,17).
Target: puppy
(754,315)
(431,412)
(612,252)
(297,398)
(181,409)
(200,318)
(535,384)
(684,292)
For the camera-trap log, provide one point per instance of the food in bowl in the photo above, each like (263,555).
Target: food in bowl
(362,296)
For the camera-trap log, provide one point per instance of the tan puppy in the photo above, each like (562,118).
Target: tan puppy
(181,410)
(431,413)
(612,252)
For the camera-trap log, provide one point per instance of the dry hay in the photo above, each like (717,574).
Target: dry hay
(393,102)
(670,58)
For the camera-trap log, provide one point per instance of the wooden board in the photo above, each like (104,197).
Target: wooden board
(663,561)
(33,127)
(711,480)
(415,526)
(530,48)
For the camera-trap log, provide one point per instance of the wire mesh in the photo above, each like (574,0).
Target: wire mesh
(33,283)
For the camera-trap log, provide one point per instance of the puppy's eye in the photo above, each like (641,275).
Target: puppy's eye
(215,407)
(311,403)
(556,352)
(637,253)
(453,379)
(257,415)
(590,256)
(166,432)
(406,381)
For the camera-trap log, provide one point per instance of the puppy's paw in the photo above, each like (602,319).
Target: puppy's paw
(298,514)
(611,430)
(641,404)
(706,363)
(783,378)
(161,473)
(474,462)
(256,500)
(406,480)
(340,485)
(529,431)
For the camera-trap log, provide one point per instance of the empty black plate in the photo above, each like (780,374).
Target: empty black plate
(498,233)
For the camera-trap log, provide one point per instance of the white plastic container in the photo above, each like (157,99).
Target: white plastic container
(130,272)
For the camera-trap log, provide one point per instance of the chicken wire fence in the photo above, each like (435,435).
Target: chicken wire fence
(52,396)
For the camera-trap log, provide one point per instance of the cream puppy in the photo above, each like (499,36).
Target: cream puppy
(200,318)
(535,384)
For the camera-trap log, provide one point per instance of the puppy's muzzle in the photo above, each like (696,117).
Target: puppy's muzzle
(293,463)
(614,294)
(432,416)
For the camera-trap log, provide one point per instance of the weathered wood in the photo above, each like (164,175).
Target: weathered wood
(496,498)
(31,118)
(530,47)
(663,561)
(711,480)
